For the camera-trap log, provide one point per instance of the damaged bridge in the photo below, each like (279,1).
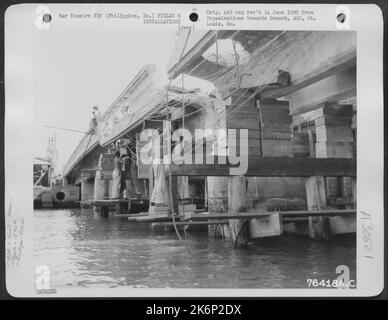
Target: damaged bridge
(295,93)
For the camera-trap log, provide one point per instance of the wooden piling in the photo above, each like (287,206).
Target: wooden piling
(237,188)
(217,203)
(334,139)
(319,227)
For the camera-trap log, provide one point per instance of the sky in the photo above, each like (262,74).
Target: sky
(75,70)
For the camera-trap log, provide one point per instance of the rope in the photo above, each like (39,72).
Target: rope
(168,119)
(239,231)
(90,138)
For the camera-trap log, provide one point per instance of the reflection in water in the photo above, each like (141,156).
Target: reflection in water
(82,250)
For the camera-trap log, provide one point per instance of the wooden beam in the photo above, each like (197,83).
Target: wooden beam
(151,219)
(308,56)
(325,114)
(288,214)
(338,64)
(264,167)
(207,70)
(275,167)
(192,223)
(193,53)
(339,86)
(107,174)
(109,202)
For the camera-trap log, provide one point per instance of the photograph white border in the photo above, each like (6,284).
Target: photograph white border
(20,28)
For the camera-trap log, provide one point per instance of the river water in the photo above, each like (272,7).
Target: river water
(82,250)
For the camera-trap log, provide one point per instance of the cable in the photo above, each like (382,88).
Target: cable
(168,118)
(216,50)
(183,127)
(90,138)
(66,129)
(194,68)
(230,93)
(183,103)
(201,108)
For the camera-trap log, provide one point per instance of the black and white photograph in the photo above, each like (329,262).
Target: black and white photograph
(175,157)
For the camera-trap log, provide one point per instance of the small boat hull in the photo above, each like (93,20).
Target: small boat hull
(57,197)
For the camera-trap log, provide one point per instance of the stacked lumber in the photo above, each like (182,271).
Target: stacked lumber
(333,131)
(268,124)
(300,144)
(275,128)
(159,211)
(242,114)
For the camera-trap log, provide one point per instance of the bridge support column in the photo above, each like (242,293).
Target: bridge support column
(101,192)
(87,190)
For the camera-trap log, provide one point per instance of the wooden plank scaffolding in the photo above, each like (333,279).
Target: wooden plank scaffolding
(310,168)
(102,206)
(206,219)
(286,214)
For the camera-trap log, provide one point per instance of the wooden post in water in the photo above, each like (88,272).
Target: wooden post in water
(334,139)
(237,189)
(217,191)
(319,227)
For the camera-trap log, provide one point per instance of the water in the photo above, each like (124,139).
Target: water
(82,250)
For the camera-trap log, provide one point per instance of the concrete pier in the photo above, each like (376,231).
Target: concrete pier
(101,192)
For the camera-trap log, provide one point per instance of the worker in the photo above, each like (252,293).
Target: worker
(94,121)
(96,112)
(116,175)
(133,169)
(182,181)
(112,148)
